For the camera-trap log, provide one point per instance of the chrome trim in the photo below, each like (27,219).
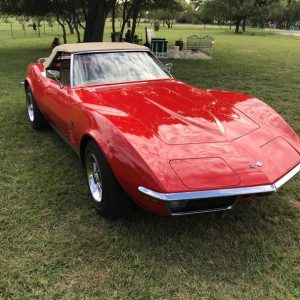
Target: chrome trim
(262,189)
(206,211)
(71,70)
(207,194)
(287,177)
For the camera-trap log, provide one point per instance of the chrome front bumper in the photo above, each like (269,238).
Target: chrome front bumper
(221,193)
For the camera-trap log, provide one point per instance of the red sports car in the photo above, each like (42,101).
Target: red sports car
(145,138)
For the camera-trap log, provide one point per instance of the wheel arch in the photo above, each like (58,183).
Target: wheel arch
(86,138)
(135,164)
(26,84)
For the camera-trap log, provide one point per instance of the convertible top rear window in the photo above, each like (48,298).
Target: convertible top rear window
(116,67)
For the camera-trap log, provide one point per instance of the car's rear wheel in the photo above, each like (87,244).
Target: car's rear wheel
(108,197)
(35,117)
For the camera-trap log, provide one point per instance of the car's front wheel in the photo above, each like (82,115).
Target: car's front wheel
(108,197)
(35,117)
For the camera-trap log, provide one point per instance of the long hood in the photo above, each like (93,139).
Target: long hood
(177,113)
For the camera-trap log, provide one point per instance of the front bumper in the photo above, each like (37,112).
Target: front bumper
(213,200)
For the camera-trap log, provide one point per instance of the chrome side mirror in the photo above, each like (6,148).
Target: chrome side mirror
(53,74)
(169,67)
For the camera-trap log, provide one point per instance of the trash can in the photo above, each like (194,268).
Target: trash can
(159,47)
(116,37)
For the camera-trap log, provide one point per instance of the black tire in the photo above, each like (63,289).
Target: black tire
(112,202)
(35,117)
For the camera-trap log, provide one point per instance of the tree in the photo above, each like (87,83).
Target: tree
(197,3)
(171,13)
(236,10)
(132,9)
(33,8)
(292,12)
(22,21)
(97,12)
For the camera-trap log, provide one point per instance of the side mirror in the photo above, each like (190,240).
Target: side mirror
(169,67)
(53,74)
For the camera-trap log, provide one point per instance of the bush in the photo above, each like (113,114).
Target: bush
(55,42)
(156,25)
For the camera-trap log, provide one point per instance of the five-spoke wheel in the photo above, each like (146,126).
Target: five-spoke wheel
(35,117)
(94,177)
(108,197)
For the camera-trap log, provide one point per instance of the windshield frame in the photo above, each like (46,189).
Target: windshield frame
(159,63)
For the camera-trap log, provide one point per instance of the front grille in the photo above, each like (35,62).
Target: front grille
(199,205)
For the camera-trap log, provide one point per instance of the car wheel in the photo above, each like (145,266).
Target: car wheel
(108,197)
(35,117)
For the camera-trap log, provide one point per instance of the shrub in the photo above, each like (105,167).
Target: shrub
(156,25)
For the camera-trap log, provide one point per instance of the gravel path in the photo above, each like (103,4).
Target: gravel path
(287,32)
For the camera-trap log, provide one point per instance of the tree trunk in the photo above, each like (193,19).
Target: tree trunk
(96,17)
(11,30)
(237,25)
(135,15)
(24,28)
(123,18)
(82,2)
(78,22)
(244,24)
(114,19)
(39,28)
(133,29)
(62,25)
(70,25)
(76,28)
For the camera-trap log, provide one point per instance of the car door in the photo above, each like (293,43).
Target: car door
(58,100)
(58,105)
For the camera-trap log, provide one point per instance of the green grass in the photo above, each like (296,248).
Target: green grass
(54,246)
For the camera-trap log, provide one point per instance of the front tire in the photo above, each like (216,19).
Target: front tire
(35,117)
(108,197)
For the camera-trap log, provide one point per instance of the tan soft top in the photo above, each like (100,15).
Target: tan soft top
(87,47)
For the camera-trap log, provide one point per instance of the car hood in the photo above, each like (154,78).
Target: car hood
(175,112)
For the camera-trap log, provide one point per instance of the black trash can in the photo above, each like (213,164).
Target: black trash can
(116,37)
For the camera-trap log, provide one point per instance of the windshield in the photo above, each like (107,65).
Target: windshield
(116,67)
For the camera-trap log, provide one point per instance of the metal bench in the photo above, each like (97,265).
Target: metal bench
(200,43)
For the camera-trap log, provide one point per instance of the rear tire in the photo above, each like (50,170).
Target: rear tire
(35,117)
(108,197)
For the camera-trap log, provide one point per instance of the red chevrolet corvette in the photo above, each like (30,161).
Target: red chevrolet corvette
(145,138)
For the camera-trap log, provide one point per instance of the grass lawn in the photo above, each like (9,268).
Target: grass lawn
(54,246)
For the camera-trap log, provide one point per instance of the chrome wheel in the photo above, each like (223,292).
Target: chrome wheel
(30,108)
(94,177)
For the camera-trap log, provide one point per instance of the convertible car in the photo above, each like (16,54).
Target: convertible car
(145,138)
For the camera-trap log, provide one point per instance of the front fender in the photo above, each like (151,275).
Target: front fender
(128,166)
